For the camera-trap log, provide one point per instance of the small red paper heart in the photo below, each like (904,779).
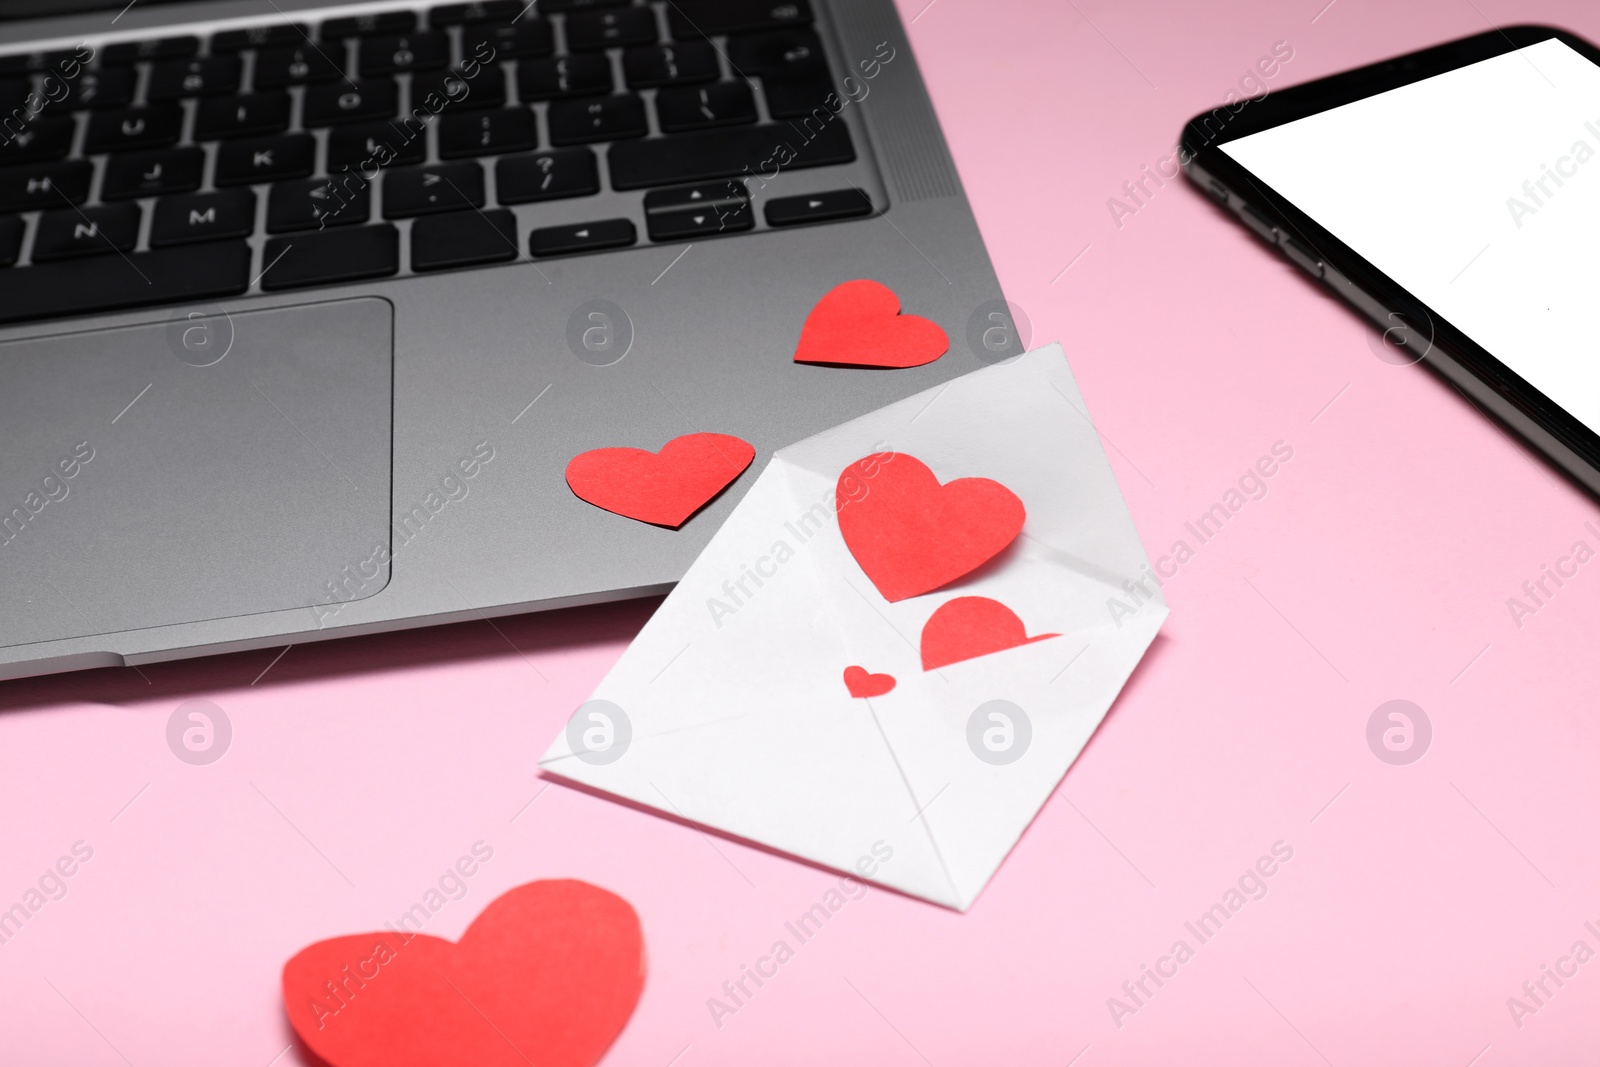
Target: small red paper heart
(971,626)
(862,684)
(547,974)
(663,488)
(912,535)
(859,324)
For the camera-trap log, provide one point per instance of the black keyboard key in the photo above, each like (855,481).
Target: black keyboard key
(429,190)
(203,217)
(453,89)
(579,5)
(107,283)
(547,176)
(694,18)
(398,54)
(553,79)
(265,159)
(150,48)
(689,108)
(56,58)
(167,170)
(793,98)
(84,231)
(206,76)
(136,127)
(463,239)
(317,203)
(45,185)
(375,144)
(698,211)
(695,157)
(528,38)
(241,116)
(350,101)
(259,37)
(487,134)
(484,11)
(609,118)
(11,240)
(361,25)
(298,65)
(46,137)
(780,54)
(14,93)
(589,30)
(331,256)
(818,207)
(582,237)
(111,87)
(670,64)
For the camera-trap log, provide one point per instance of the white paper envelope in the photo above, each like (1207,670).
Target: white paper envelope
(733,709)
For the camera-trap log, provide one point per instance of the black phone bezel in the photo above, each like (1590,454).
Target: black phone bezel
(1201,155)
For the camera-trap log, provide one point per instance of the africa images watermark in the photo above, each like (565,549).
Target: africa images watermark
(736,592)
(353,580)
(1538,191)
(1251,485)
(51,885)
(1251,885)
(380,153)
(810,127)
(52,489)
(346,984)
(1538,592)
(1536,992)
(55,87)
(1139,191)
(737,992)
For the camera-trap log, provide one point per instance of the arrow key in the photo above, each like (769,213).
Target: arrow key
(698,210)
(583,237)
(818,207)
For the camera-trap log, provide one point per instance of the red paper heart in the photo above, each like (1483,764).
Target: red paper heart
(859,324)
(862,684)
(663,488)
(547,974)
(912,535)
(971,626)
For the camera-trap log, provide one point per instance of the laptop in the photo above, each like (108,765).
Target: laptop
(306,306)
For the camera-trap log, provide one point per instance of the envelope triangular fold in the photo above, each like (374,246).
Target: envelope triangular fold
(737,714)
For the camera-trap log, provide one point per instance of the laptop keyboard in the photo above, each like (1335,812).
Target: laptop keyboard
(290,155)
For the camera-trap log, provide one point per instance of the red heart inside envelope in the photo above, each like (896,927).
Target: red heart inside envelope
(859,324)
(971,626)
(863,683)
(912,535)
(547,974)
(663,488)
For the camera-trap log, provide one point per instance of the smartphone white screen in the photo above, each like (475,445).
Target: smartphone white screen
(1477,190)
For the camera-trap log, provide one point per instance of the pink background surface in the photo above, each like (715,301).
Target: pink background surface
(1418,899)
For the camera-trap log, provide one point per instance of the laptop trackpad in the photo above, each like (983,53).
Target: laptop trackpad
(210,466)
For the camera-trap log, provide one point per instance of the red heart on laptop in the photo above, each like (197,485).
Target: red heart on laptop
(859,324)
(547,974)
(971,626)
(663,488)
(912,535)
(861,683)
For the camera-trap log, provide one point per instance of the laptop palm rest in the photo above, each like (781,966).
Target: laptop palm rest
(207,466)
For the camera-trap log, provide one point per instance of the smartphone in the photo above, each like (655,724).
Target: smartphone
(1452,196)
